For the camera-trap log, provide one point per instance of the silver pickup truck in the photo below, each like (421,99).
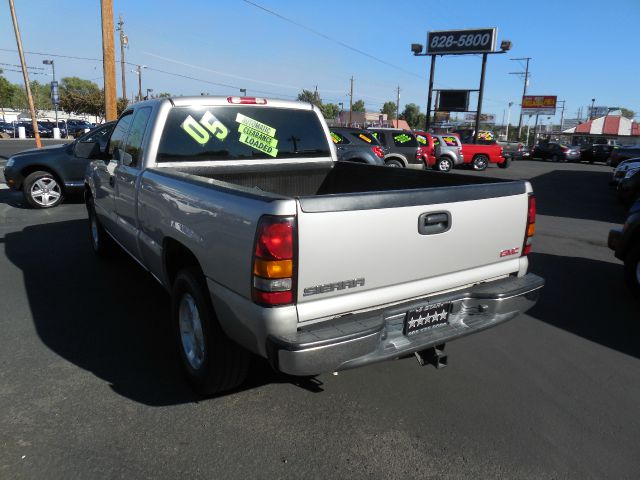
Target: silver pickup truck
(268,245)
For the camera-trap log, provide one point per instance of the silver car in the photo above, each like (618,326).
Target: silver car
(448,150)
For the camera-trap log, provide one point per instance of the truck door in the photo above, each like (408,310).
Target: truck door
(126,173)
(104,175)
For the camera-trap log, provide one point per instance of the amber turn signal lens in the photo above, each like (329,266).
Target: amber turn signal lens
(273,268)
(531,229)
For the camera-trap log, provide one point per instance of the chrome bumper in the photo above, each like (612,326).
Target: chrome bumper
(355,340)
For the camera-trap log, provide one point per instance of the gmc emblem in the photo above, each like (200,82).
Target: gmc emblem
(509,251)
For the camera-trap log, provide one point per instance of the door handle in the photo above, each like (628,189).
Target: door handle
(112,180)
(432,223)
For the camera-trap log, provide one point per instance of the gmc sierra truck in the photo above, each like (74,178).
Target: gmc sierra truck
(268,245)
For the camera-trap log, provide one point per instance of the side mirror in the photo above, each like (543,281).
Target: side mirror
(89,150)
(126,159)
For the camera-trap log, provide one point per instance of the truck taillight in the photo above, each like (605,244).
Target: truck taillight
(378,151)
(273,275)
(418,153)
(531,225)
(247,100)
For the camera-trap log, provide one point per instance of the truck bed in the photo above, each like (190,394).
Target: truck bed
(339,178)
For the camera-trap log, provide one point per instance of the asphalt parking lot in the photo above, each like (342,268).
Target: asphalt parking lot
(89,387)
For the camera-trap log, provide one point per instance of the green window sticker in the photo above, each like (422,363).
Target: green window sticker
(195,130)
(335,137)
(404,138)
(251,132)
(256,125)
(214,125)
(421,139)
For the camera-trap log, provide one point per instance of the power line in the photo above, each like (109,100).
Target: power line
(331,39)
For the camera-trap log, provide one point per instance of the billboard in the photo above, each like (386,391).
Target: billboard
(484,117)
(475,40)
(539,104)
(453,100)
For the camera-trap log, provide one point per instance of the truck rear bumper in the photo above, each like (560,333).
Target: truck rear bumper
(359,339)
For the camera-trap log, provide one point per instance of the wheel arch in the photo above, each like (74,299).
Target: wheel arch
(175,257)
(38,167)
(398,158)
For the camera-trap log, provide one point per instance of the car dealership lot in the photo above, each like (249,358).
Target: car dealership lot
(89,387)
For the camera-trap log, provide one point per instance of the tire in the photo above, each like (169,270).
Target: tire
(394,163)
(444,164)
(101,242)
(480,162)
(505,164)
(632,271)
(211,361)
(42,190)
(554,158)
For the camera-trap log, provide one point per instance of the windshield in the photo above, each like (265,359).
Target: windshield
(240,133)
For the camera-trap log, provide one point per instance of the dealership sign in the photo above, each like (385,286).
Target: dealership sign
(539,104)
(484,117)
(476,40)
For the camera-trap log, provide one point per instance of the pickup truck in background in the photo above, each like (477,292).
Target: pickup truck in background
(479,155)
(269,246)
(514,150)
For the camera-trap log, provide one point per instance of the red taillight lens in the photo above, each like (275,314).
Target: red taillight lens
(520,147)
(273,267)
(564,149)
(275,240)
(247,100)
(378,151)
(531,225)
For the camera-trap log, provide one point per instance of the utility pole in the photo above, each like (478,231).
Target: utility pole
(108,60)
(509,121)
(591,115)
(124,42)
(398,107)
(351,100)
(25,74)
(562,115)
(139,71)
(524,90)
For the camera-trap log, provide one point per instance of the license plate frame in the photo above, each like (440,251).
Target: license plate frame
(426,317)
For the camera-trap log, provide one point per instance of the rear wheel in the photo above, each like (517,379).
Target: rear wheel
(211,361)
(632,271)
(100,240)
(394,163)
(480,162)
(444,164)
(554,158)
(42,190)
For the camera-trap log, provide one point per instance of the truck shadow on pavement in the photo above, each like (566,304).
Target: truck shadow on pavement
(587,298)
(570,193)
(109,317)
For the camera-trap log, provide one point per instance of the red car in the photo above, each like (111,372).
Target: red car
(427,148)
(481,155)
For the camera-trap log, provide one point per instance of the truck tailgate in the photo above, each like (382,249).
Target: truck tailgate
(391,246)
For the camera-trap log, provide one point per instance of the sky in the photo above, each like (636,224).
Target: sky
(580,49)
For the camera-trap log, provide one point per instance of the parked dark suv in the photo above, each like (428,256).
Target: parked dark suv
(625,242)
(403,150)
(77,128)
(357,145)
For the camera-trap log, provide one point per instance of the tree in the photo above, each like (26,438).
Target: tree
(628,113)
(330,110)
(411,114)
(390,109)
(8,92)
(81,96)
(311,97)
(163,95)
(358,106)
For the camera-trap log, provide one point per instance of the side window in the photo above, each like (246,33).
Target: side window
(380,137)
(365,137)
(119,133)
(136,133)
(338,139)
(436,141)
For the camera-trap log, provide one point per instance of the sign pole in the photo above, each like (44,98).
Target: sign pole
(427,122)
(478,113)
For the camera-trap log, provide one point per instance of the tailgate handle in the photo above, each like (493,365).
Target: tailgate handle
(432,223)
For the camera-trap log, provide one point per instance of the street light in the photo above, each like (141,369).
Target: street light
(591,115)
(54,89)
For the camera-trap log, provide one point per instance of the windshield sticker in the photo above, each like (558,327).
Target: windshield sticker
(195,130)
(335,137)
(421,139)
(404,138)
(375,134)
(255,124)
(214,125)
(247,131)
(485,135)
(451,141)
(364,137)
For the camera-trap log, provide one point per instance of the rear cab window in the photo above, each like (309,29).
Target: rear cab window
(206,133)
